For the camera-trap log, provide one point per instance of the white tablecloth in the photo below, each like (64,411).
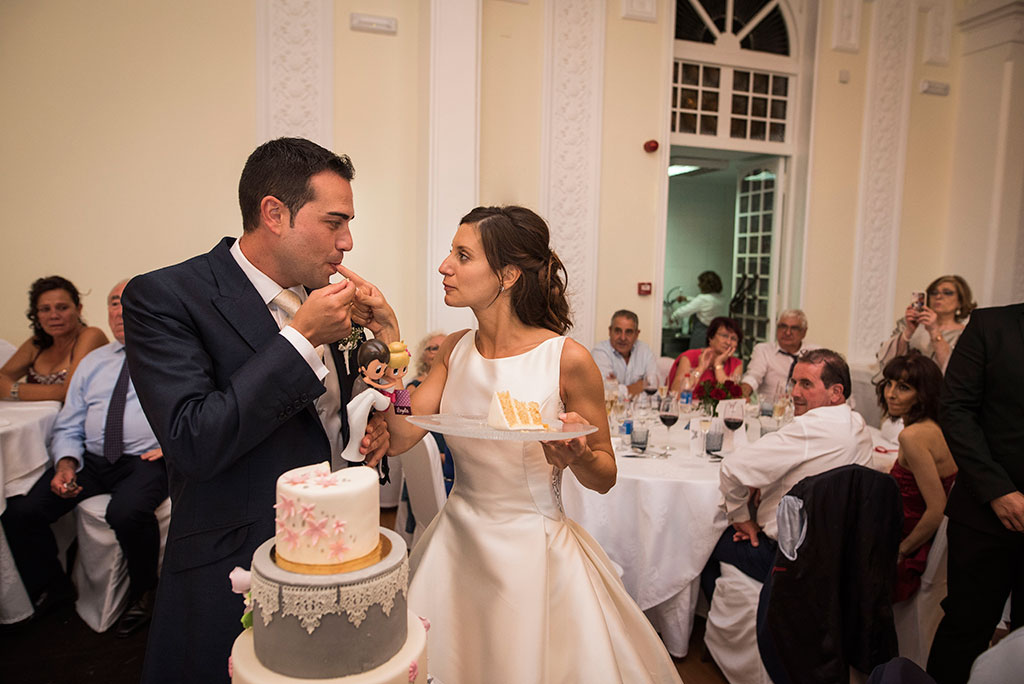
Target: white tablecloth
(24,436)
(660,522)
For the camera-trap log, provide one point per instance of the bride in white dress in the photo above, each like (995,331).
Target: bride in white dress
(515,591)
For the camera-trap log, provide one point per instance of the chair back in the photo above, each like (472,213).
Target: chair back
(664,366)
(6,351)
(421,467)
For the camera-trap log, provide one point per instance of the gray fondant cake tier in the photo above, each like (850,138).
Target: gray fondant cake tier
(321,626)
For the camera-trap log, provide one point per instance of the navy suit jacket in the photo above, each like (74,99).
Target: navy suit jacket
(983,416)
(231,402)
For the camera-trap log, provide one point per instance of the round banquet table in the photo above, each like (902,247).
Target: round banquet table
(24,436)
(660,522)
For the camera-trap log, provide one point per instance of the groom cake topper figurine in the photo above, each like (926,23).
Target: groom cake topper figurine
(376,387)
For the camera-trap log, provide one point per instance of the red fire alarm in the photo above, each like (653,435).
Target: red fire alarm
(651,146)
(643,288)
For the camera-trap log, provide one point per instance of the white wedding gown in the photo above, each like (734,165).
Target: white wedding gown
(514,590)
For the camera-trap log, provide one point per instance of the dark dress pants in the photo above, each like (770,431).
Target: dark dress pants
(136,487)
(753,561)
(982,570)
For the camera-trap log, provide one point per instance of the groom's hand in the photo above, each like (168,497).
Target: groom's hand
(326,316)
(376,441)
(370,309)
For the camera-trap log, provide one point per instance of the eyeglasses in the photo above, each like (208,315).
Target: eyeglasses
(944,293)
(727,336)
(781,327)
(432,348)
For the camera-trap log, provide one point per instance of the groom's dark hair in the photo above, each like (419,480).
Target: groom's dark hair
(282,168)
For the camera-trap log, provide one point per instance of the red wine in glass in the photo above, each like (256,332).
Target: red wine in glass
(733,423)
(668,419)
(649,391)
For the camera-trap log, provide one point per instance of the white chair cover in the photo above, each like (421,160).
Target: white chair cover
(6,351)
(918,617)
(421,467)
(391,493)
(100,573)
(731,634)
(664,366)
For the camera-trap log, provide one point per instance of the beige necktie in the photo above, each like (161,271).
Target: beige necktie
(288,302)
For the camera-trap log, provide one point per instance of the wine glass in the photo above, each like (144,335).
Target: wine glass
(650,388)
(704,419)
(668,414)
(732,414)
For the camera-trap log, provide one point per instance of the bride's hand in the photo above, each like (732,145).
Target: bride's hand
(563,453)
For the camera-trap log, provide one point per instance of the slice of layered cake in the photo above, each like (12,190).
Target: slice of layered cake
(508,413)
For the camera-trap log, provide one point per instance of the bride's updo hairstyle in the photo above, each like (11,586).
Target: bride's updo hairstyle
(516,236)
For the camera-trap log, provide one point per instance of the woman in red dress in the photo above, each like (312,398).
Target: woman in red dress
(924,469)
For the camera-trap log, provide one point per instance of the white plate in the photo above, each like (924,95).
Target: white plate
(477,427)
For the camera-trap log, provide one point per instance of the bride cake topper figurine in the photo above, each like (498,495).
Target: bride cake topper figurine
(372,389)
(398,366)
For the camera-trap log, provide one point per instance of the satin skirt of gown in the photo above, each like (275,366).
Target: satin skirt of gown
(514,590)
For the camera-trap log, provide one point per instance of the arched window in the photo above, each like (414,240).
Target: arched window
(733,76)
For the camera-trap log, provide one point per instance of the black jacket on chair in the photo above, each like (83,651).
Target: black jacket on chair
(831,607)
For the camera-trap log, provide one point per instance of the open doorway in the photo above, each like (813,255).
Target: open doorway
(724,217)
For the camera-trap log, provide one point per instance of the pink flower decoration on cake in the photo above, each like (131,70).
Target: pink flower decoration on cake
(338,549)
(297,479)
(291,537)
(325,479)
(286,507)
(279,524)
(426,623)
(306,511)
(338,527)
(414,671)
(241,579)
(315,530)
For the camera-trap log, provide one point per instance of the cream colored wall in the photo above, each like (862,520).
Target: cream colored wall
(511,86)
(927,186)
(636,76)
(123,131)
(377,109)
(833,179)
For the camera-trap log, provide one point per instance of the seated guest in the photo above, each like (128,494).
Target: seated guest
(622,357)
(825,434)
(714,363)
(426,352)
(102,443)
(705,307)
(771,363)
(60,339)
(924,469)
(932,329)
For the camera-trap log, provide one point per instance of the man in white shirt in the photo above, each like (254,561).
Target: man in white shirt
(771,363)
(707,306)
(825,434)
(622,357)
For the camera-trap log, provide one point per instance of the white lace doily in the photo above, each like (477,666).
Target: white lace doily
(310,604)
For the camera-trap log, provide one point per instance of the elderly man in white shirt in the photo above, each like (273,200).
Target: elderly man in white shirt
(622,357)
(771,363)
(825,434)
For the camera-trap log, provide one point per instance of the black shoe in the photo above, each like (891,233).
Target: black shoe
(56,595)
(136,617)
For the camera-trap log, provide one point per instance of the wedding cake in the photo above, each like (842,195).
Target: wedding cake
(328,592)
(508,413)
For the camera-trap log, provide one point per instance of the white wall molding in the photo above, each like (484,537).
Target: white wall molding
(938,30)
(296,83)
(883,157)
(571,147)
(989,23)
(453,157)
(846,25)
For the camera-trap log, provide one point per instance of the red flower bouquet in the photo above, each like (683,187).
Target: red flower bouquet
(708,394)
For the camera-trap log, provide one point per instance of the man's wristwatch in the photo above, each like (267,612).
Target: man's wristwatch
(14,390)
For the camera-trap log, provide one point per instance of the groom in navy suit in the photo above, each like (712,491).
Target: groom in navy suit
(238,365)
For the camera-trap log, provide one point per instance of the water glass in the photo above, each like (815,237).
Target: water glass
(638,438)
(713,439)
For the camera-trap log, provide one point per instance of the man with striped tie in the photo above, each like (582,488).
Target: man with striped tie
(102,444)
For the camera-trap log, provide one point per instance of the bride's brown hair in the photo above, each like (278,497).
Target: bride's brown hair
(516,236)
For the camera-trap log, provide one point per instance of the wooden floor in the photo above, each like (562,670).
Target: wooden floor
(61,649)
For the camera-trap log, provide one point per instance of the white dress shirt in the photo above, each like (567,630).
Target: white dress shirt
(768,370)
(328,404)
(822,439)
(707,306)
(641,362)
